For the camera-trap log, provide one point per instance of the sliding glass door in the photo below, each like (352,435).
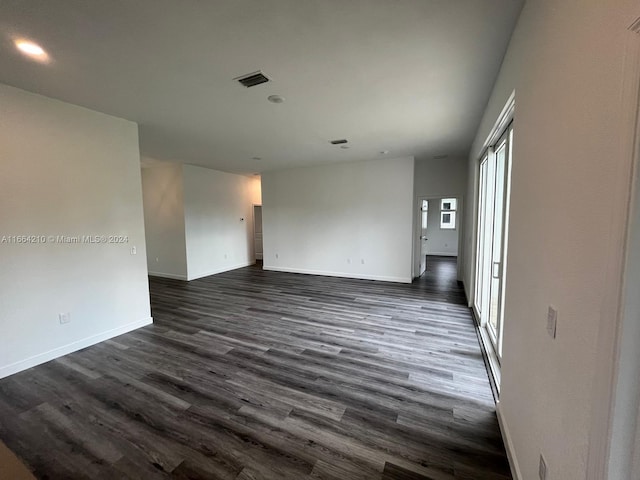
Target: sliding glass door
(493,206)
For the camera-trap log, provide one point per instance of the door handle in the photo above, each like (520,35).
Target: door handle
(496,270)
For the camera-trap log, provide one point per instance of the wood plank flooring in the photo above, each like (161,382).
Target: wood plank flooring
(266,375)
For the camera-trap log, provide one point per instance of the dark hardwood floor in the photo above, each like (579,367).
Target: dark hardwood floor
(265,375)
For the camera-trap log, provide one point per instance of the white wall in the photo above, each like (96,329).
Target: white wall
(67,171)
(218,220)
(163,196)
(441,177)
(317,219)
(446,177)
(570,186)
(255,188)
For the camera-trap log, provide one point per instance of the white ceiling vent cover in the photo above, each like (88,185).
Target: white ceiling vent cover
(252,79)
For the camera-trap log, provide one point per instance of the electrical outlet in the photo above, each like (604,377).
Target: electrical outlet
(362,261)
(552,321)
(348,260)
(276,255)
(542,468)
(64,318)
(157,259)
(225,256)
(134,250)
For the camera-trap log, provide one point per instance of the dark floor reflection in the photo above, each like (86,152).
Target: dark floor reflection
(440,282)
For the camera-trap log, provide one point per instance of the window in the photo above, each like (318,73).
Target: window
(425,213)
(448,208)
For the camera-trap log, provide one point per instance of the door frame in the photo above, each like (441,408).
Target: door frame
(614,437)
(415,266)
(506,140)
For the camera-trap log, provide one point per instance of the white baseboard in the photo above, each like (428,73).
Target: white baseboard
(21,365)
(218,270)
(325,273)
(167,275)
(508,444)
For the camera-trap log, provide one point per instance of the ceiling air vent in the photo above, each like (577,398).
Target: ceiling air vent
(252,79)
(338,142)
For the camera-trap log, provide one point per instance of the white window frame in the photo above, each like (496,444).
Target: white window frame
(453,224)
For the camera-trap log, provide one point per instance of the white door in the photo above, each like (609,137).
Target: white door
(424,221)
(257,230)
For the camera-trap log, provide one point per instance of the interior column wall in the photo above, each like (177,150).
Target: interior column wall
(69,182)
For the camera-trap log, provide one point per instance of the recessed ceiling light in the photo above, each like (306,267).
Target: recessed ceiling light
(384,152)
(276,98)
(31,49)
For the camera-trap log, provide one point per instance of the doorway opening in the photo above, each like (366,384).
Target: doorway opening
(438,232)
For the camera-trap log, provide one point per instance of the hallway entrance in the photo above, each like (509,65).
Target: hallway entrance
(440,280)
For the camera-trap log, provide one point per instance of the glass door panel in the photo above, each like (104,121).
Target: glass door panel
(491,239)
(496,247)
(480,280)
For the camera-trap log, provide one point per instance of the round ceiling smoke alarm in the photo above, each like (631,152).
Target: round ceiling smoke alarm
(276,98)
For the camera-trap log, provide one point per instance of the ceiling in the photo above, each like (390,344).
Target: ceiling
(411,77)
